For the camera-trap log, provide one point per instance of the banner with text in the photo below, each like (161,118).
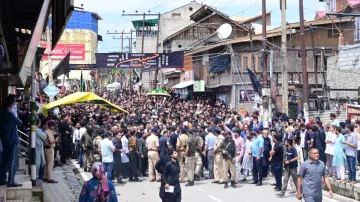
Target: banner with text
(140,60)
(77,51)
(353,112)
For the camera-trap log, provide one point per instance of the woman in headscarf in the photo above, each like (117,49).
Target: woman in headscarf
(99,188)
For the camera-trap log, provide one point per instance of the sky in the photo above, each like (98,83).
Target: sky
(111,12)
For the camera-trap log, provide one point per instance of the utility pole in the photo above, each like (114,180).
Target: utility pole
(122,37)
(265,92)
(314,55)
(285,91)
(303,60)
(48,46)
(33,123)
(143,36)
(252,49)
(157,51)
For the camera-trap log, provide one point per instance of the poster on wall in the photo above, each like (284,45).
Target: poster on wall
(353,112)
(199,86)
(77,51)
(242,97)
(140,60)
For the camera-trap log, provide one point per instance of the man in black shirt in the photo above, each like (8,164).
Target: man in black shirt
(276,159)
(170,179)
(173,137)
(290,165)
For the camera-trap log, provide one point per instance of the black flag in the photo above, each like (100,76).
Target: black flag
(255,82)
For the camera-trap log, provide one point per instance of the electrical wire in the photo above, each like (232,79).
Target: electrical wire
(247,8)
(227,5)
(159,5)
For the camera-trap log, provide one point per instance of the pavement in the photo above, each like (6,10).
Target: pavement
(203,191)
(67,189)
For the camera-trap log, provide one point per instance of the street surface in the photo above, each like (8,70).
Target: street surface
(203,191)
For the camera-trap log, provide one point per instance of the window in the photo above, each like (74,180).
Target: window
(331,5)
(344,2)
(176,15)
(191,9)
(334,5)
(356,30)
(245,62)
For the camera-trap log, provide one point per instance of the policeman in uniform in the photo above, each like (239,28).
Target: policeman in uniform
(218,160)
(97,148)
(199,163)
(180,147)
(49,151)
(152,143)
(192,143)
(228,150)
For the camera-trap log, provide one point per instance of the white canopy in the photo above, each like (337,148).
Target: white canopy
(183,84)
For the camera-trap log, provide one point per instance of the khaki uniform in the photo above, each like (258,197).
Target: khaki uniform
(198,166)
(180,147)
(190,160)
(218,163)
(152,143)
(227,163)
(49,153)
(97,149)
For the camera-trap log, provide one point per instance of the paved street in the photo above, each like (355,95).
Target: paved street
(203,191)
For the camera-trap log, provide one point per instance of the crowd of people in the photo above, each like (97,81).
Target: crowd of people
(173,141)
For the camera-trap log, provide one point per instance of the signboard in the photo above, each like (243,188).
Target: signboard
(140,60)
(77,51)
(51,90)
(353,112)
(82,66)
(199,86)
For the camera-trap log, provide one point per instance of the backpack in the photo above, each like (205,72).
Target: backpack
(89,142)
(95,146)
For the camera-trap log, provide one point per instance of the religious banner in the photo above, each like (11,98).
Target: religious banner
(353,112)
(140,60)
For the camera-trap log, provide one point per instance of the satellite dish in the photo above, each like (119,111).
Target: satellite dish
(224,31)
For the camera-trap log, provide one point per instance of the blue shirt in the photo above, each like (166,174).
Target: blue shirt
(163,145)
(257,144)
(210,141)
(106,151)
(8,127)
(173,140)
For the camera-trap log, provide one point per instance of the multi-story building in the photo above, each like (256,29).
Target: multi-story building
(228,79)
(80,38)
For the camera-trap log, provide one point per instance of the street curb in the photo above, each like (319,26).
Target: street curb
(338,197)
(79,171)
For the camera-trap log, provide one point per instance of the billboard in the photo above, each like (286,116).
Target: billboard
(140,60)
(353,112)
(77,51)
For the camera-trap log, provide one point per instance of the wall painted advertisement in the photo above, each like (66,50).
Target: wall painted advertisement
(77,51)
(353,112)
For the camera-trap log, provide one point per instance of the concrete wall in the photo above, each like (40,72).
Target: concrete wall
(344,72)
(168,26)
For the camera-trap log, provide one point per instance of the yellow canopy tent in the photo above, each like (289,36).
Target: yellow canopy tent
(81,97)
